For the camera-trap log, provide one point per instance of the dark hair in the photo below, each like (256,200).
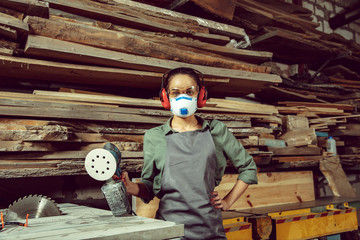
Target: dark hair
(196,75)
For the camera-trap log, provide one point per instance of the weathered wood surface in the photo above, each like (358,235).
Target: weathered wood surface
(13,22)
(281,42)
(81,222)
(241,82)
(133,18)
(336,177)
(300,137)
(215,27)
(29,7)
(295,151)
(291,187)
(47,47)
(224,9)
(8,33)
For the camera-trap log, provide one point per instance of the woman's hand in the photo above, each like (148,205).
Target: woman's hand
(218,202)
(131,187)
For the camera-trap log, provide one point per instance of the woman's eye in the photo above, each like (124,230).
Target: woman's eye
(175,93)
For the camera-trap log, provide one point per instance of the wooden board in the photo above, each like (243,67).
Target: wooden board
(295,151)
(29,7)
(215,27)
(241,82)
(112,40)
(224,9)
(300,137)
(13,22)
(291,187)
(344,107)
(284,44)
(336,177)
(130,18)
(81,222)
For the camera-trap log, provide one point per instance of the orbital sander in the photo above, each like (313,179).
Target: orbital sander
(102,164)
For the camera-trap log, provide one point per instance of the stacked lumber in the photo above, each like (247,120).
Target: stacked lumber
(49,133)
(306,128)
(320,67)
(103,44)
(314,66)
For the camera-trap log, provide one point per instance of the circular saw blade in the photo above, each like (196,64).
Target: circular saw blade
(35,205)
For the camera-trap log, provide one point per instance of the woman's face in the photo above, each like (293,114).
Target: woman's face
(182,83)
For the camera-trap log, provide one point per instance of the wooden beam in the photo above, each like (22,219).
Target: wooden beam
(8,33)
(131,18)
(224,9)
(121,43)
(336,177)
(215,27)
(300,137)
(295,151)
(13,22)
(29,7)
(241,82)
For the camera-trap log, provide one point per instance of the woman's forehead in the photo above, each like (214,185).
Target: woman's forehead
(181,81)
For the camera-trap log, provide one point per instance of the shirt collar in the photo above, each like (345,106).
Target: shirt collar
(168,129)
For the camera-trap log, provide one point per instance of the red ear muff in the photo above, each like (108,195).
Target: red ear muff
(202,97)
(164,99)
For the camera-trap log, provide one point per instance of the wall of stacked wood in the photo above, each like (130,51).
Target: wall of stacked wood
(77,74)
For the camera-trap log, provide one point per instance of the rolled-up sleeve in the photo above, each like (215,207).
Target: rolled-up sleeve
(148,171)
(233,150)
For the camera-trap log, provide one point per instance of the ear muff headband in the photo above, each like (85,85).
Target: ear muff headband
(202,96)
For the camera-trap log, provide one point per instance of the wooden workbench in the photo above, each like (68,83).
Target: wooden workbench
(81,222)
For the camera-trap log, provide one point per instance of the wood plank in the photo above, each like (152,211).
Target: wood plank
(11,12)
(295,151)
(251,107)
(103,38)
(45,102)
(285,182)
(45,47)
(131,18)
(17,164)
(6,52)
(315,110)
(61,113)
(62,155)
(241,82)
(346,107)
(276,13)
(249,56)
(300,137)
(297,158)
(336,177)
(82,222)
(13,22)
(293,122)
(224,9)
(17,146)
(8,33)
(282,43)
(215,27)
(29,7)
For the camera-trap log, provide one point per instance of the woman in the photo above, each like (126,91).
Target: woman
(185,159)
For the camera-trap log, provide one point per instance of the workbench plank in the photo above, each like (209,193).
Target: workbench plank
(88,223)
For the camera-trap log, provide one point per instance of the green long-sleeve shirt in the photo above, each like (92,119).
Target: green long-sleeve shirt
(226,147)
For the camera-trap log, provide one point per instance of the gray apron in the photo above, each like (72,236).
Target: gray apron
(187,183)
